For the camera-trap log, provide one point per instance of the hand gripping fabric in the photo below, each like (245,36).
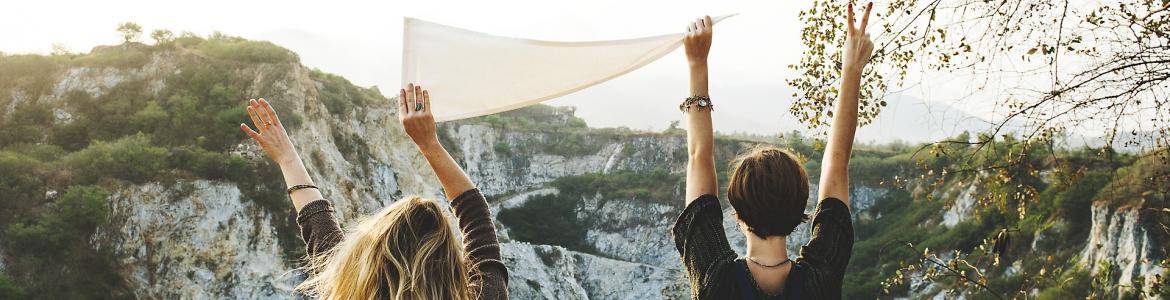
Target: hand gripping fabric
(473,74)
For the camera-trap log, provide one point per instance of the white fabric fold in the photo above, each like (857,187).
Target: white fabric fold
(471,74)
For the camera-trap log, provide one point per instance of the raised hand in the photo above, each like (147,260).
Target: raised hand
(835,163)
(414,111)
(271,136)
(858,46)
(698,40)
(701,179)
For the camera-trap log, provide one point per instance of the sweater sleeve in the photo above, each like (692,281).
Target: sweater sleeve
(319,228)
(830,247)
(703,247)
(480,245)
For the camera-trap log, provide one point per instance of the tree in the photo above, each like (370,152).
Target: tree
(674,129)
(1044,66)
(60,49)
(1105,61)
(162,36)
(130,31)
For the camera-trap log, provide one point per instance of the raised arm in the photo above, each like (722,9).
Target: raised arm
(475,220)
(414,105)
(274,140)
(701,178)
(314,215)
(835,166)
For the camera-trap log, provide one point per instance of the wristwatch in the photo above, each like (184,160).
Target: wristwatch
(702,102)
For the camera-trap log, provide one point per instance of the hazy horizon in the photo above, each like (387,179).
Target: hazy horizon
(362,42)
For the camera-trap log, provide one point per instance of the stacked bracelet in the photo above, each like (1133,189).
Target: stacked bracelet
(699,102)
(301,186)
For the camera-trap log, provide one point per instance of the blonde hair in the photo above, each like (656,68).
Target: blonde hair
(406,251)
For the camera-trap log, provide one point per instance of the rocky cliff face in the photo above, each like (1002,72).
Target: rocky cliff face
(1122,238)
(201,239)
(194,240)
(198,239)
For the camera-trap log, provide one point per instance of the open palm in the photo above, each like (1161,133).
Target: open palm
(271,136)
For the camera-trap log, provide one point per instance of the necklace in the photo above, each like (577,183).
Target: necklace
(753,260)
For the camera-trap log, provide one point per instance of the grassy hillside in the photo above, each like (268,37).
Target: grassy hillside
(61,151)
(1048,191)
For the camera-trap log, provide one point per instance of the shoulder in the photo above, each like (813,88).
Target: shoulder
(809,281)
(832,206)
(831,211)
(703,210)
(723,283)
(472,194)
(702,204)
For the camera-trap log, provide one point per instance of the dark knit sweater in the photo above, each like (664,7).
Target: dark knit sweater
(715,272)
(320,231)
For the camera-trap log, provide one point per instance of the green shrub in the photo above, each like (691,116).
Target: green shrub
(207,164)
(9,289)
(132,158)
(1075,202)
(53,248)
(40,152)
(1072,284)
(531,222)
(31,74)
(502,148)
(241,50)
(340,96)
(571,144)
(21,182)
(151,116)
(656,186)
(116,57)
(26,123)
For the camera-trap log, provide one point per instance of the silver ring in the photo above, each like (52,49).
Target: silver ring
(418,106)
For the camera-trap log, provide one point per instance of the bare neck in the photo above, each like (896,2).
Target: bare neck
(774,249)
(770,251)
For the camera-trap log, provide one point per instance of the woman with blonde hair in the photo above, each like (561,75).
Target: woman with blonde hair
(408,250)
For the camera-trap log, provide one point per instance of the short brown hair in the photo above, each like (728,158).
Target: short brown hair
(768,189)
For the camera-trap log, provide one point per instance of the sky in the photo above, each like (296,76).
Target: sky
(361,40)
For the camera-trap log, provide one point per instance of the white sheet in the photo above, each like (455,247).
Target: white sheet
(471,74)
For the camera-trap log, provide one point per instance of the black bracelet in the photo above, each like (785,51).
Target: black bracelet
(301,186)
(702,102)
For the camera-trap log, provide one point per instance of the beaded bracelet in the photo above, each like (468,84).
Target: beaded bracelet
(301,186)
(702,102)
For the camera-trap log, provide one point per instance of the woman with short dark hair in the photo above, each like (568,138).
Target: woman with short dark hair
(768,190)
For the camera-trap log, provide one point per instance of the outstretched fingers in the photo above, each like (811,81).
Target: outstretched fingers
(411,101)
(865,17)
(270,113)
(426,96)
(849,9)
(402,103)
(418,98)
(248,130)
(255,116)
